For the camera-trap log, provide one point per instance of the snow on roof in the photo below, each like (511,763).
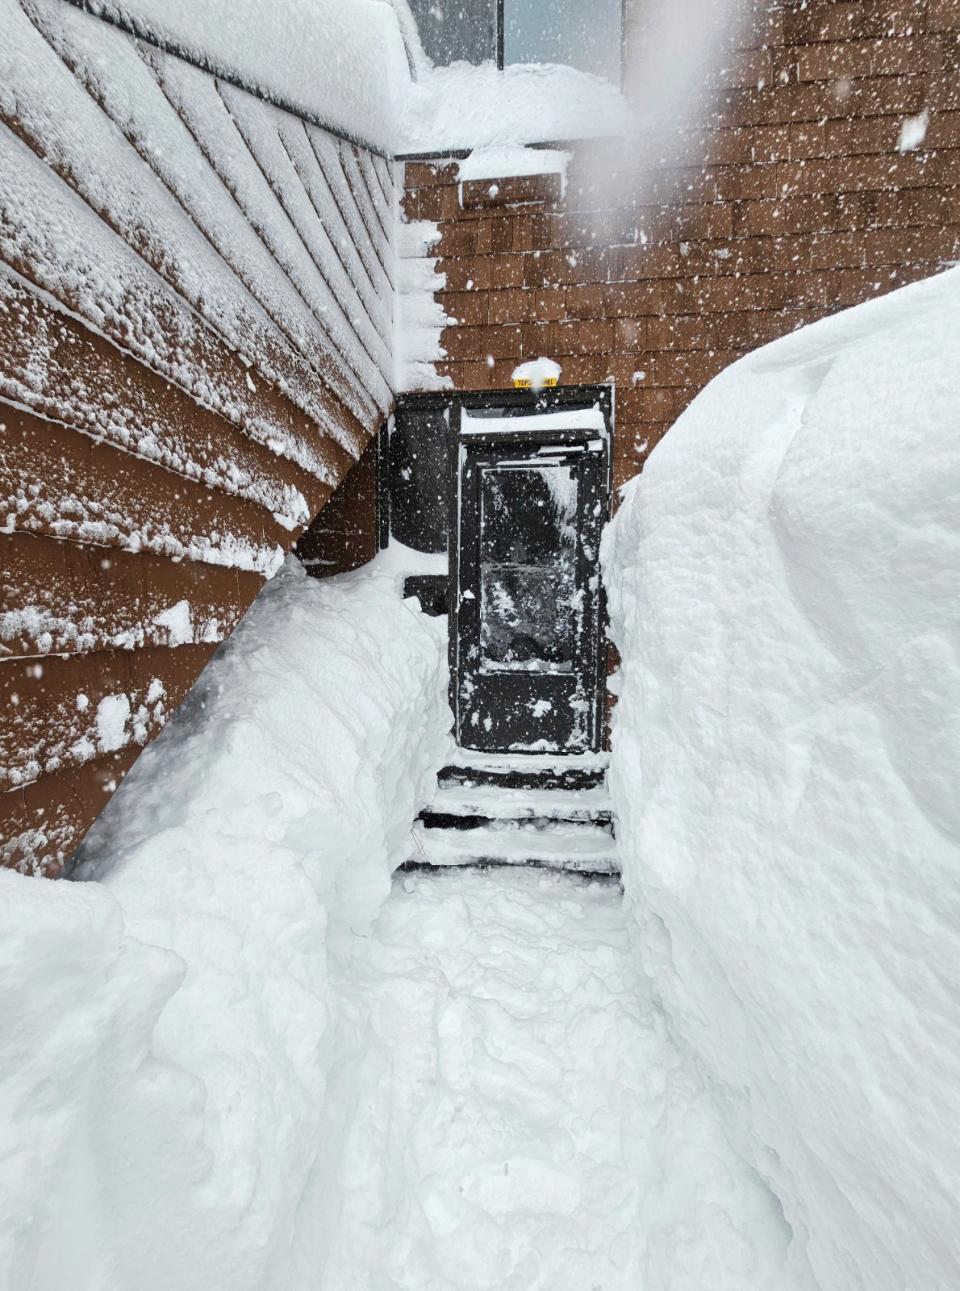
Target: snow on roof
(467,106)
(339,62)
(498,162)
(564,419)
(357,67)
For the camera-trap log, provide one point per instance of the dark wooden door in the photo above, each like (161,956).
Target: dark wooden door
(526,618)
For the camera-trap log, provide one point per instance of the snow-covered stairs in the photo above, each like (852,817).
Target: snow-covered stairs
(518,810)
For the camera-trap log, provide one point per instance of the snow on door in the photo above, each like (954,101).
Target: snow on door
(526,648)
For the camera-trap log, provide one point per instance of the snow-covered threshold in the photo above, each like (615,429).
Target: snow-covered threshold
(165,1033)
(785,587)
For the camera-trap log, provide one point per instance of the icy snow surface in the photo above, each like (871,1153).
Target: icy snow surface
(507,1112)
(785,588)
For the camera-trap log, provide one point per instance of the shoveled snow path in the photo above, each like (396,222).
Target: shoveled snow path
(510,1113)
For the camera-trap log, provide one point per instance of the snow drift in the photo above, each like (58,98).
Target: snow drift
(785,587)
(165,1034)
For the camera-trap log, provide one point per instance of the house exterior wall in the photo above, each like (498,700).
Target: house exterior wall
(196,295)
(796,202)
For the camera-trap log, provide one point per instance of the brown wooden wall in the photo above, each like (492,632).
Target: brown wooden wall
(794,202)
(195,345)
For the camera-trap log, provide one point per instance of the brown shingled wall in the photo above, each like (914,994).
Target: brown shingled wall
(195,347)
(795,202)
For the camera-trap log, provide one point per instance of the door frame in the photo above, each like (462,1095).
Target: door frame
(510,402)
(521,403)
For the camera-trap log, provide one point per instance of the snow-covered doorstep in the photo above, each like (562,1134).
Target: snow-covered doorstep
(420,318)
(165,1033)
(785,590)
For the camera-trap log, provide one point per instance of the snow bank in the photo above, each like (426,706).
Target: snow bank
(785,584)
(165,1034)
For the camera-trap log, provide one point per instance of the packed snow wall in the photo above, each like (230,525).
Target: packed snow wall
(785,588)
(166,1033)
(195,345)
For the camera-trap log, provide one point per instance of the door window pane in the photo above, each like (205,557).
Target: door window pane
(582,33)
(527,621)
(530,608)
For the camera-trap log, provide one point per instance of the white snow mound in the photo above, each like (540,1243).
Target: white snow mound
(165,1034)
(785,588)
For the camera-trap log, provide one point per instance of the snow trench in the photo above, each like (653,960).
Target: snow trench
(508,1113)
(244,1059)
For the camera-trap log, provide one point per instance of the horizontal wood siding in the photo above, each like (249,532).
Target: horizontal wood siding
(196,322)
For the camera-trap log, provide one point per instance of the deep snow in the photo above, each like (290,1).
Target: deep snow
(165,1033)
(508,1113)
(785,584)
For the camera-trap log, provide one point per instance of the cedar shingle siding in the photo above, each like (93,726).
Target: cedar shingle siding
(195,346)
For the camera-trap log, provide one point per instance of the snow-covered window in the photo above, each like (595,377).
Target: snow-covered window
(581,33)
(454,30)
(585,35)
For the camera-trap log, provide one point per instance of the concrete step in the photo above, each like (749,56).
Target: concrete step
(519,809)
(454,805)
(525,770)
(557,844)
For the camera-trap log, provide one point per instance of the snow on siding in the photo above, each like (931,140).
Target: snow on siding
(284,52)
(196,335)
(421,319)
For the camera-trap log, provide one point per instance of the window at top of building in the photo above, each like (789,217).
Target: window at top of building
(581,33)
(452,30)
